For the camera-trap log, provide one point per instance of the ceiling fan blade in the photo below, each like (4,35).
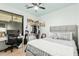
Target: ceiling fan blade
(34,4)
(30,7)
(42,7)
(39,3)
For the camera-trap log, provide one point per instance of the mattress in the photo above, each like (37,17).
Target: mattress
(52,47)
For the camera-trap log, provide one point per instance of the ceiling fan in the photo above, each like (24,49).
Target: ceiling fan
(35,6)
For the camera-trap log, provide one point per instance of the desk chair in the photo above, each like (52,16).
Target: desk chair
(12,42)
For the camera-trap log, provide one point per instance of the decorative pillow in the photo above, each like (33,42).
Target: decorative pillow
(53,35)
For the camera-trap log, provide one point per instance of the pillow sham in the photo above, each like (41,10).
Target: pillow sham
(61,35)
(64,35)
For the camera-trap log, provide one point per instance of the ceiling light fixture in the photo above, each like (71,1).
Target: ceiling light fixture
(36,8)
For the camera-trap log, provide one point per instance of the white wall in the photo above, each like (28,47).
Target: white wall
(64,16)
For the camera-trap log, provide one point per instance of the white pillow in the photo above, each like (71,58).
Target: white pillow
(60,35)
(64,35)
(52,35)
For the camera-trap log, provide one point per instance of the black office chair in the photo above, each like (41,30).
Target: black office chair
(12,42)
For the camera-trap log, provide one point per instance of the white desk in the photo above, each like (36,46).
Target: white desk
(3,38)
(2,43)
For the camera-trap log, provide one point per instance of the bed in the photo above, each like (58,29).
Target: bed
(54,46)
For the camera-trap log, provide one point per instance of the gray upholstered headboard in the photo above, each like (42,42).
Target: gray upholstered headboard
(67,28)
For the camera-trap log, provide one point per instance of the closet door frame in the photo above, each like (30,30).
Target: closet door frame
(18,15)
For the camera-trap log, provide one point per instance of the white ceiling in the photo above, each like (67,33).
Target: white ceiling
(50,7)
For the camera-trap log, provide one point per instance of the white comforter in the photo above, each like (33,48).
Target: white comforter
(55,47)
